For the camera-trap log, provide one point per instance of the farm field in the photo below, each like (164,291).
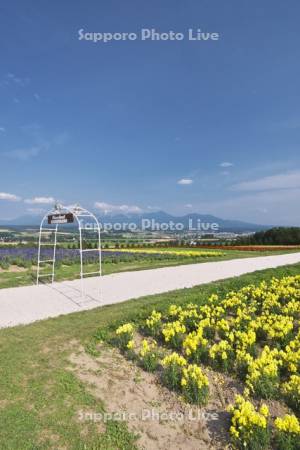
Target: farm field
(60,372)
(18,264)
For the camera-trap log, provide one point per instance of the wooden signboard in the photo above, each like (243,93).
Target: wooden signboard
(60,218)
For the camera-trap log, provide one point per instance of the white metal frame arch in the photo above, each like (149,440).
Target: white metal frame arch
(78,212)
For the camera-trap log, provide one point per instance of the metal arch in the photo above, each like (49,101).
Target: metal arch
(77,212)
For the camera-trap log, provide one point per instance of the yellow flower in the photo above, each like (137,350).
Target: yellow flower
(130,345)
(171,329)
(266,366)
(288,424)
(126,328)
(222,349)
(245,419)
(147,347)
(193,373)
(174,358)
(174,310)
(183,382)
(264,410)
(194,341)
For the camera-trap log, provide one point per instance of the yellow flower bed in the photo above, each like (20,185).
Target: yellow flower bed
(179,252)
(252,333)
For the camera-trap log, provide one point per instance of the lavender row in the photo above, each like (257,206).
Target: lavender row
(65,254)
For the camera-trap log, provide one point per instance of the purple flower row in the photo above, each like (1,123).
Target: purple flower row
(30,254)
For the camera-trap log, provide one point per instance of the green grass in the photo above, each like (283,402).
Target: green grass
(14,279)
(40,397)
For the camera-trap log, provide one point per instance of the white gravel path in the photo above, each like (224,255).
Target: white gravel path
(27,304)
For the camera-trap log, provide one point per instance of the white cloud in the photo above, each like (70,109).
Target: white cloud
(288,180)
(40,143)
(40,200)
(37,97)
(32,129)
(185,181)
(11,78)
(109,208)
(9,197)
(36,211)
(2,129)
(23,154)
(188,205)
(153,208)
(273,207)
(226,164)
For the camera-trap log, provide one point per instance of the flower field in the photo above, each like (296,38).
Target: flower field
(177,252)
(30,253)
(251,335)
(25,256)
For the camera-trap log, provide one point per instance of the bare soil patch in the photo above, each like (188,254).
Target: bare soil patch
(13,269)
(160,418)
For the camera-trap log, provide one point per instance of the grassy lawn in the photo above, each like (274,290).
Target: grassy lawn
(40,397)
(65,272)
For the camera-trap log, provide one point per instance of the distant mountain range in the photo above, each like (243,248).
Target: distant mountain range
(194,219)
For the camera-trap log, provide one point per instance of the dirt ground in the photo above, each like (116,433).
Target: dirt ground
(160,418)
(13,269)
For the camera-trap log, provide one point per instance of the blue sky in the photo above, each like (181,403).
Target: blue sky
(182,126)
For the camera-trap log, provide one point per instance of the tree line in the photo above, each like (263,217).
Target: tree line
(274,236)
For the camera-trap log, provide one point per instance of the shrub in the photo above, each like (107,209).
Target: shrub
(249,428)
(275,326)
(154,324)
(190,317)
(221,355)
(194,385)
(287,432)
(173,333)
(243,361)
(125,336)
(195,346)
(291,355)
(263,374)
(149,356)
(172,373)
(4,265)
(291,392)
